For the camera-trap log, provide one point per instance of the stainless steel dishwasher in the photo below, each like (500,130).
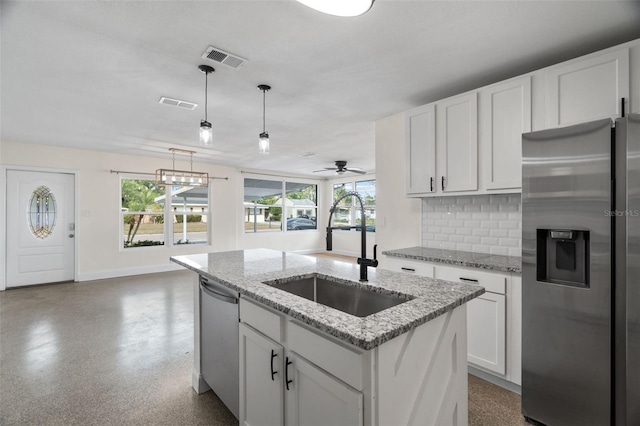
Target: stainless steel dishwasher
(219,341)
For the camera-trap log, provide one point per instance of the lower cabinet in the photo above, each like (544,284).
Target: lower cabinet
(493,319)
(486,317)
(314,397)
(278,387)
(261,382)
(293,374)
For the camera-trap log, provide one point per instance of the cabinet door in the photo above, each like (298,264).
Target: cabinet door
(486,332)
(315,398)
(457,143)
(261,379)
(420,147)
(587,89)
(505,111)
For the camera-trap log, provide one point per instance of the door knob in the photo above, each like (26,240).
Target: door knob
(71,235)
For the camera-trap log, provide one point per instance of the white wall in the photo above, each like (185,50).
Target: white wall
(98,234)
(397,216)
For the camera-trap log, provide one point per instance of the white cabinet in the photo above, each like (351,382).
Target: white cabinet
(457,143)
(315,398)
(420,127)
(505,114)
(418,378)
(406,266)
(261,381)
(441,144)
(486,317)
(587,88)
(278,386)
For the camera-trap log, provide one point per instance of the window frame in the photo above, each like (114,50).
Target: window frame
(354,206)
(283,195)
(167,213)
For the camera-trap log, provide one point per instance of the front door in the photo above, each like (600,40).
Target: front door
(40,227)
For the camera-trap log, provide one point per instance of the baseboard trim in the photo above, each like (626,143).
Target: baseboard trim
(198,383)
(495,380)
(117,273)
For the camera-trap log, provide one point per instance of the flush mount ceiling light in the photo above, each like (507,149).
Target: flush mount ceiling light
(339,7)
(182,177)
(263,140)
(206,133)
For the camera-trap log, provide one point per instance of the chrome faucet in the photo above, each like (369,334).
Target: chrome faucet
(362,261)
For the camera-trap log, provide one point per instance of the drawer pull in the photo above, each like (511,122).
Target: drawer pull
(471,280)
(408,269)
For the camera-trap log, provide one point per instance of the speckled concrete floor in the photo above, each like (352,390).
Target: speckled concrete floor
(115,351)
(119,351)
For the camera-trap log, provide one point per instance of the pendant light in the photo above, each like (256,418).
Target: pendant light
(263,141)
(339,7)
(206,132)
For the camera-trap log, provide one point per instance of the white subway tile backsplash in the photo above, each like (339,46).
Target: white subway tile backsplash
(482,223)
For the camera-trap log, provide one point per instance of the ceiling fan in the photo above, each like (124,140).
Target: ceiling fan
(341,168)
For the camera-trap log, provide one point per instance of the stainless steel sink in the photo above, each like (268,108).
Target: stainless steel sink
(344,297)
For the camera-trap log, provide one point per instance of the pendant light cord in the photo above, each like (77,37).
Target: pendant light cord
(264,109)
(206,92)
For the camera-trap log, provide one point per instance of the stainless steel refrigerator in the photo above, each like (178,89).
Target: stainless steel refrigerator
(581,274)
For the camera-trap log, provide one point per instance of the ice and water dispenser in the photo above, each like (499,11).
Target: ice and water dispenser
(563,257)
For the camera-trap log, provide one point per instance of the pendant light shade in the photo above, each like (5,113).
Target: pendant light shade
(263,139)
(206,132)
(339,7)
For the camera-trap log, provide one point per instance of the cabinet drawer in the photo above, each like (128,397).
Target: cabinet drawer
(267,322)
(336,358)
(493,283)
(415,267)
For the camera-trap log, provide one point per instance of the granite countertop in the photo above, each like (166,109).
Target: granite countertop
(487,261)
(246,270)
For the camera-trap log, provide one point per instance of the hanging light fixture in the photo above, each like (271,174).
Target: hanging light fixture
(339,7)
(182,177)
(263,141)
(206,133)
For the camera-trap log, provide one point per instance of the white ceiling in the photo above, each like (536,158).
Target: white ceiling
(89,74)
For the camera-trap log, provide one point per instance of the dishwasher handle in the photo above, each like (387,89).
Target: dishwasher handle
(223,297)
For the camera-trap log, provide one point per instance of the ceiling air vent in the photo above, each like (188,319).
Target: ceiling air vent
(177,103)
(225,58)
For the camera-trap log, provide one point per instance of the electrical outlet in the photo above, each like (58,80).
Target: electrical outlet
(85,213)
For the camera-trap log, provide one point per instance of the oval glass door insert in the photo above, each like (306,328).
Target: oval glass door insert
(42,212)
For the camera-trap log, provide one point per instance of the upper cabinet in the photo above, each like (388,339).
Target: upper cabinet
(505,114)
(420,127)
(587,89)
(472,143)
(457,143)
(442,147)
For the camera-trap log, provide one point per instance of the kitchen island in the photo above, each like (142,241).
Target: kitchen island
(402,365)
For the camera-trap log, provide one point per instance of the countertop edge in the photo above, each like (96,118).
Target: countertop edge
(456,262)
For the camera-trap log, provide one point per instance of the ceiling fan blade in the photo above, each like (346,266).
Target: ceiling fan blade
(356,170)
(326,169)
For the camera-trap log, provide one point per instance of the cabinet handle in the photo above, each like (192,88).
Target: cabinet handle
(286,372)
(471,280)
(273,373)
(431,183)
(443,183)
(408,269)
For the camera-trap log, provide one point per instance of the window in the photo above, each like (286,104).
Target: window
(190,207)
(265,210)
(348,212)
(142,217)
(144,214)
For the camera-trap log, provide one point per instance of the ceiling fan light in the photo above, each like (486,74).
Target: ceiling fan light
(206,134)
(263,143)
(344,8)
(340,172)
